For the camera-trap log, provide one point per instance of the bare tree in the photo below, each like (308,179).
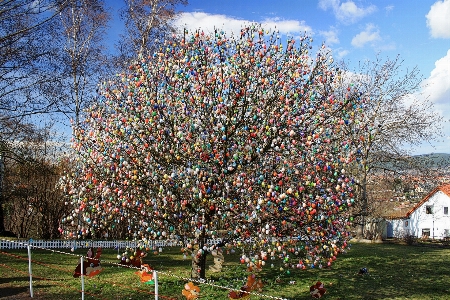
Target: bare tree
(81,58)
(52,58)
(393,119)
(26,49)
(147,22)
(14,135)
(32,202)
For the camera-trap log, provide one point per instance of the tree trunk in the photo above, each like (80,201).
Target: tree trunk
(2,213)
(198,270)
(2,216)
(360,231)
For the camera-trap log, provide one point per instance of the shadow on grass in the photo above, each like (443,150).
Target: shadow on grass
(22,292)
(12,291)
(12,279)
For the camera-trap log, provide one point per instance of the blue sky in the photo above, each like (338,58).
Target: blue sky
(356,30)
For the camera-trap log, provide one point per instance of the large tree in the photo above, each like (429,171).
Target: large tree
(396,118)
(221,136)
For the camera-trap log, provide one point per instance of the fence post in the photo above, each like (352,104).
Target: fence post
(29,271)
(82,278)
(155,279)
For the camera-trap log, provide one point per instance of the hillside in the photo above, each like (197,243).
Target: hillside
(433,160)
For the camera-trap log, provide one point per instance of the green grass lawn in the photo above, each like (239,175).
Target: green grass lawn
(395,272)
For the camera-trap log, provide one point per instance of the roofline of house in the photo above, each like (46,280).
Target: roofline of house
(425,199)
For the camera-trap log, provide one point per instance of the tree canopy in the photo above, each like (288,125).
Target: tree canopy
(215,135)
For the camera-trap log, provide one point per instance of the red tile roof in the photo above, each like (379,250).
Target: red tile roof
(446,189)
(443,188)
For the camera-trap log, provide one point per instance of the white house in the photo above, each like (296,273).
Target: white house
(429,218)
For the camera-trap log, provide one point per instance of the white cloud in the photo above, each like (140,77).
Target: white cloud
(389,8)
(350,77)
(208,22)
(287,26)
(436,89)
(347,12)
(437,86)
(341,53)
(438,19)
(369,34)
(331,36)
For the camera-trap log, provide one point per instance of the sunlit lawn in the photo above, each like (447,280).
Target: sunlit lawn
(395,272)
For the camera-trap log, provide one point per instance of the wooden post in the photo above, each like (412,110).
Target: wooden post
(82,278)
(155,279)
(30,271)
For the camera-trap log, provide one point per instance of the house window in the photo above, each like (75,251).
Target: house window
(406,223)
(429,209)
(425,232)
(445,210)
(446,233)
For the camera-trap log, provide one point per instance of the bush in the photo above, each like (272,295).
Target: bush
(410,239)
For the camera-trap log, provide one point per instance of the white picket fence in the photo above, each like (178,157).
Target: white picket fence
(115,244)
(61,244)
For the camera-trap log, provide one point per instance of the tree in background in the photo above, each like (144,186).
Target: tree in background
(215,136)
(26,48)
(394,116)
(13,137)
(81,61)
(33,205)
(53,52)
(25,44)
(48,199)
(147,23)
(52,58)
